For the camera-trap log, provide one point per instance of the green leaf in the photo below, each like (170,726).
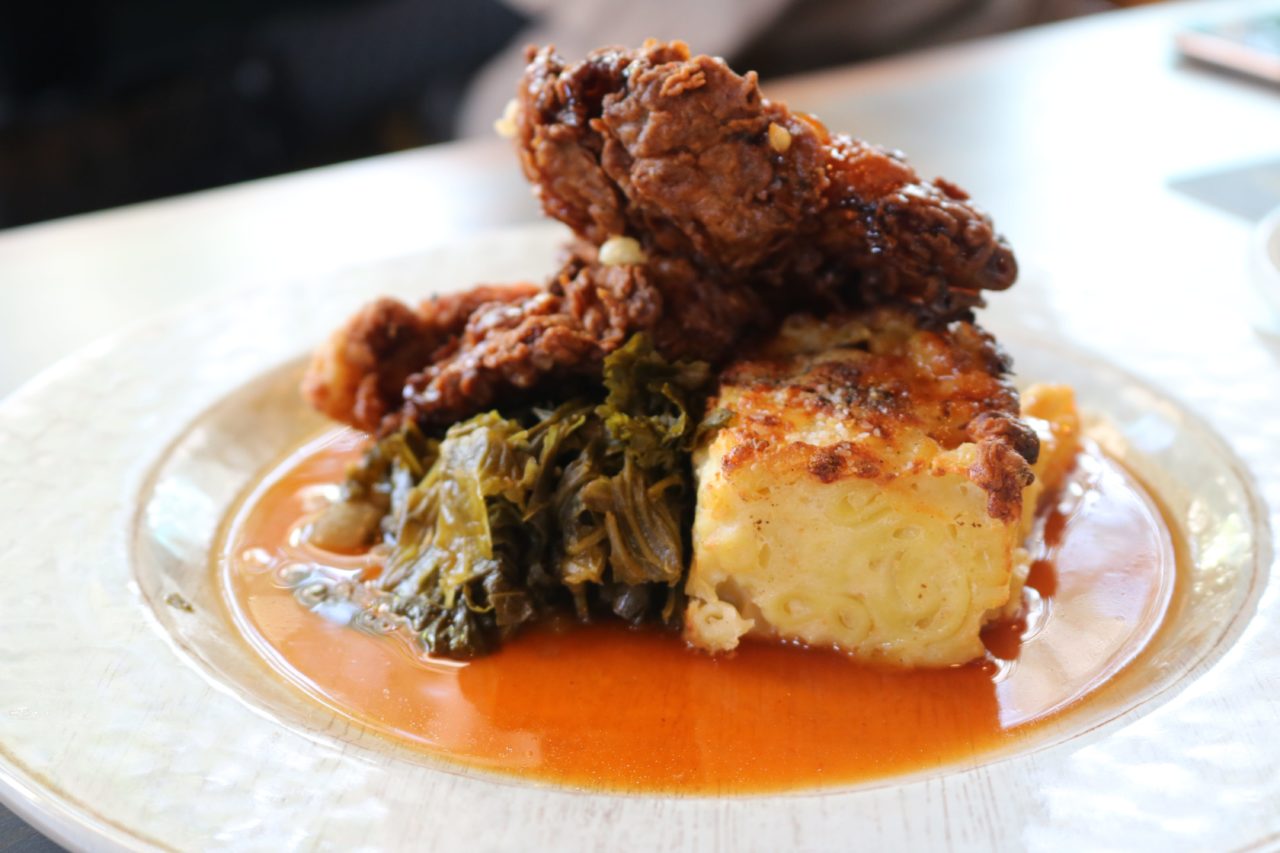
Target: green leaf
(585,504)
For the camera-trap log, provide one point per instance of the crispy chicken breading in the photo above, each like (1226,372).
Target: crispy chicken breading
(457,354)
(357,376)
(743,213)
(689,157)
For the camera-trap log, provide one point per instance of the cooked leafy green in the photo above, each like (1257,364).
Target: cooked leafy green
(506,519)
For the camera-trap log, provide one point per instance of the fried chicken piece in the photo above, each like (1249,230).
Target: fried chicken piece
(563,330)
(586,312)
(358,375)
(745,213)
(460,353)
(689,157)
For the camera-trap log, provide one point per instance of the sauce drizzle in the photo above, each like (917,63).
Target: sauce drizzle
(609,707)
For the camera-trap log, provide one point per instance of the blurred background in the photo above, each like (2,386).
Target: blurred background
(108,102)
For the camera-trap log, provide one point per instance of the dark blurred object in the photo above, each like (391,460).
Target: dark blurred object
(109,102)
(814,34)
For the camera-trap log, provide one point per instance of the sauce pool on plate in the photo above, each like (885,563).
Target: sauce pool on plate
(610,707)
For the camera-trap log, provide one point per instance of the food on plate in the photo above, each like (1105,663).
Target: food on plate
(697,225)
(359,374)
(506,519)
(693,161)
(740,499)
(635,710)
(753,399)
(872,491)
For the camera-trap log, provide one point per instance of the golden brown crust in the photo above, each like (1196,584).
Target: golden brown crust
(564,330)
(460,353)
(675,149)
(873,395)
(739,230)
(358,375)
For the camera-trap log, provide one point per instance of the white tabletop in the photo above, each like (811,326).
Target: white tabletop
(1069,134)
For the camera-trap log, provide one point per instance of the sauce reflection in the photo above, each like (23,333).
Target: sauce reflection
(610,707)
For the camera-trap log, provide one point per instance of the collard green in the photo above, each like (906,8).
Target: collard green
(506,519)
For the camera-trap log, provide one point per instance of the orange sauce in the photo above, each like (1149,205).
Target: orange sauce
(609,707)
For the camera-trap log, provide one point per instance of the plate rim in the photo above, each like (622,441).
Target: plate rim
(76,824)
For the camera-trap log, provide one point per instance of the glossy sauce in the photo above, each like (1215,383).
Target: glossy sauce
(609,707)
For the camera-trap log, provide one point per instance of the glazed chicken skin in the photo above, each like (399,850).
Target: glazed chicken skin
(690,158)
(456,354)
(738,213)
(358,375)
(586,311)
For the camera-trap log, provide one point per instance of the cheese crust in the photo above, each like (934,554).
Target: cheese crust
(871,491)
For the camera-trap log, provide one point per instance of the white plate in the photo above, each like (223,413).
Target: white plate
(127,722)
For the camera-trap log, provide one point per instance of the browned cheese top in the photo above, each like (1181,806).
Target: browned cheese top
(856,396)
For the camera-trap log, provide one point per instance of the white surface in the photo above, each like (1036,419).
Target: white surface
(150,728)
(68,282)
(1265,260)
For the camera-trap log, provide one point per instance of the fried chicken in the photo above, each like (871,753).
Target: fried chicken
(687,156)
(744,213)
(457,354)
(564,330)
(358,375)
